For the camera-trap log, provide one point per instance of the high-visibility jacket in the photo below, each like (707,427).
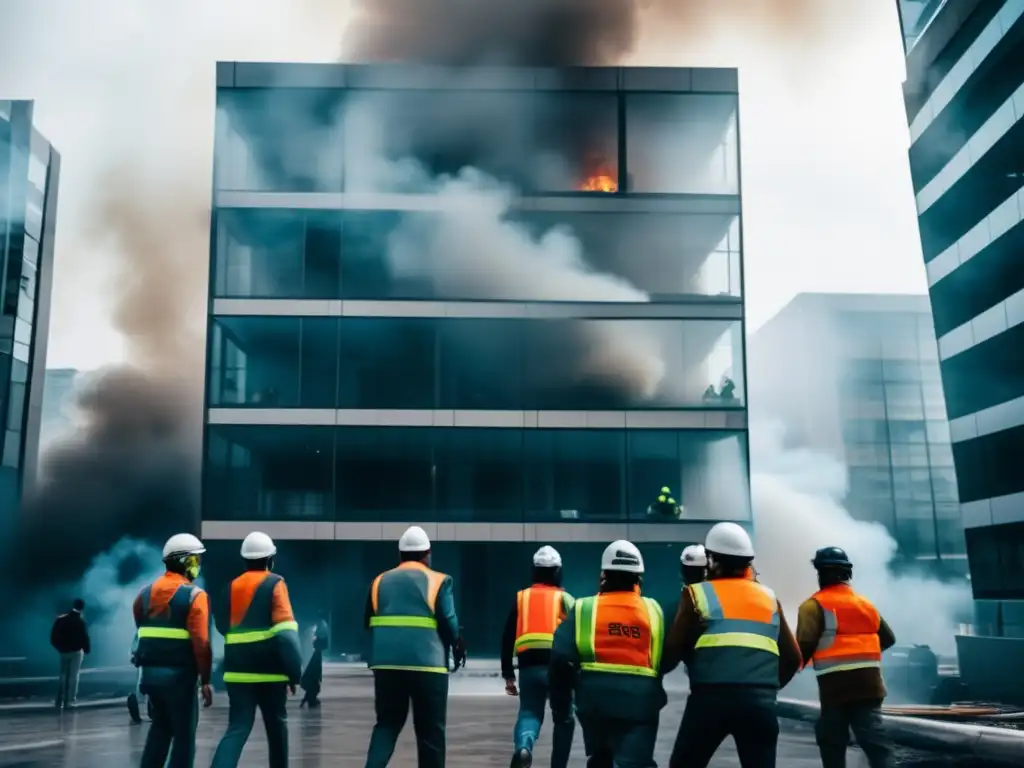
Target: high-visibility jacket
(539,611)
(619,633)
(256,650)
(163,639)
(740,641)
(850,638)
(404,620)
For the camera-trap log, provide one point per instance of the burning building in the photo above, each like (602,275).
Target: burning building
(502,303)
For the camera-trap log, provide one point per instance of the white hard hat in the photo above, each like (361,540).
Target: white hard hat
(183,544)
(694,555)
(547,557)
(729,539)
(415,539)
(257,546)
(622,556)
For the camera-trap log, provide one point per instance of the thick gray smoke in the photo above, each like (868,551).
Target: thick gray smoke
(798,508)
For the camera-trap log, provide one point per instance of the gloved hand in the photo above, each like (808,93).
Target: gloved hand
(458,655)
(510,688)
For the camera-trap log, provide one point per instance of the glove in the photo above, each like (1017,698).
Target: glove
(458,655)
(510,688)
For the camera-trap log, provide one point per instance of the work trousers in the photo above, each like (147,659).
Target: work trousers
(174,708)
(394,690)
(864,718)
(613,743)
(67,681)
(714,712)
(533,697)
(243,700)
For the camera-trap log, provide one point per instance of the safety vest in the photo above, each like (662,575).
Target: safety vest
(253,650)
(164,640)
(539,611)
(850,639)
(404,622)
(740,642)
(620,633)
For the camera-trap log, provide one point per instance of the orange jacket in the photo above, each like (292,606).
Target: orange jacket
(160,595)
(850,639)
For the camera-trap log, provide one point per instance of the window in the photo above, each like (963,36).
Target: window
(481,365)
(682,143)
(909,455)
(480,474)
(386,474)
(387,363)
(866,370)
(907,431)
(869,483)
(268,473)
(867,454)
(902,371)
(950,527)
(576,144)
(281,140)
(989,465)
(938,432)
(903,401)
(365,264)
(273,362)
(915,536)
(865,431)
(574,474)
(944,484)
(983,560)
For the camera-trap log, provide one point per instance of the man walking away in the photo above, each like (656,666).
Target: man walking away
(313,675)
(842,634)
(529,633)
(173,620)
(70,638)
(410,612)
(262,657)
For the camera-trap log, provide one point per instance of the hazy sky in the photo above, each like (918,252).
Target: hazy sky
(827,198)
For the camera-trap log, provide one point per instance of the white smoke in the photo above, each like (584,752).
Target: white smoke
(797,497)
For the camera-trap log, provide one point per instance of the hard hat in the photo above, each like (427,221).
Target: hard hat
(694,555)
(622,556)
(414,540)
(729,539)
(257,546)
(547,557)
(183,544)
(831,557)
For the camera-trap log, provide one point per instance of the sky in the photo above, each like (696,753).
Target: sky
(827,199)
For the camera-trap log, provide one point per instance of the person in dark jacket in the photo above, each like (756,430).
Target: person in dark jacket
(69,636)
(313,675)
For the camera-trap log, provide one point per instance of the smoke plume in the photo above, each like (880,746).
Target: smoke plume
(797,497)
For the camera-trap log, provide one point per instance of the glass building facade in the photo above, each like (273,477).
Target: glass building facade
(29,172)
(857,377)
(502,304)
(965,106)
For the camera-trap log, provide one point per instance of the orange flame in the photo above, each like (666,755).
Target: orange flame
(600,181)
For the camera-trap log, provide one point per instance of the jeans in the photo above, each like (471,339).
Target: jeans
(67,682)
(713,713)
(244,699)
(394,690)
(833,728)
(175,712)
(533,697)
(614,743)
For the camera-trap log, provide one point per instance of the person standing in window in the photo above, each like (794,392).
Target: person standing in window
(69,636)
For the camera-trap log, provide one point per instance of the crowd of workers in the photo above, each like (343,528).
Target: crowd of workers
(599,660)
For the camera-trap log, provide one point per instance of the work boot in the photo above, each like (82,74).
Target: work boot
(522,759)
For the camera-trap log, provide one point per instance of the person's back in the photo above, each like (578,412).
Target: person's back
(69,636)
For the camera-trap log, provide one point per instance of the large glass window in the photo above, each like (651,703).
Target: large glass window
(576,143)
(269,473)
(682,143)
(280,140)
(273,362)
(278,254)
(915,528)
(471,474)
(387,363)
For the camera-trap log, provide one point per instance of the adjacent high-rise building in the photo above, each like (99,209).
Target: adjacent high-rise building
(504,304)
(856,377)
(29,173)
(965,105)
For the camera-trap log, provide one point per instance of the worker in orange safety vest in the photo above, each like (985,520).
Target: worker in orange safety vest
(842,635)
(529,633)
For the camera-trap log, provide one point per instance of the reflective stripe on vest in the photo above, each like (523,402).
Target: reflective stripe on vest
(164,639)
(850,637)
(250,653)
(740,641)
(539,611)
(383,620)
(619,633)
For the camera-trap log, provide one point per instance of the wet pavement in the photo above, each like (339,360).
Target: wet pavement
(480,720)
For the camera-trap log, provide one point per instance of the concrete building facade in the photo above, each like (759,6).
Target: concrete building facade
(964,94)
(512,328)
(29,175)
(856,376)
